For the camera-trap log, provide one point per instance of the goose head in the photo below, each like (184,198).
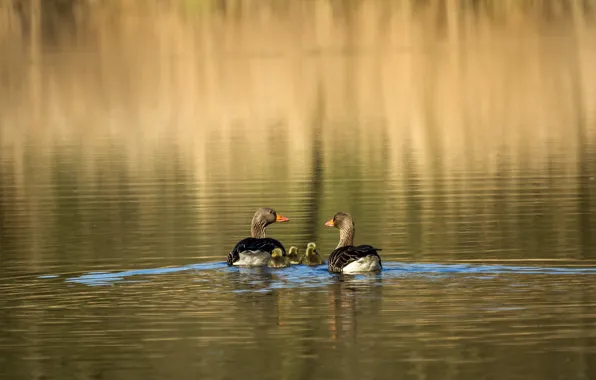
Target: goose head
(262,218)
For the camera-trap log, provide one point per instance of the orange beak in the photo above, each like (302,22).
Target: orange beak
(330,223)
(280,218)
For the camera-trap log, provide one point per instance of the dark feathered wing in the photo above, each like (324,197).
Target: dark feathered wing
(343,256)
(254,244)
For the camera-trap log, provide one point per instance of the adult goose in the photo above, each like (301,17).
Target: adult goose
(256,250)
(347,258)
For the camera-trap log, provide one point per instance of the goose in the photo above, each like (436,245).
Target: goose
(312,256)
(256,250)
(347,258)
(278,259)
(294,255)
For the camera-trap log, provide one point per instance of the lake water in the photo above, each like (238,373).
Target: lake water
(137,140)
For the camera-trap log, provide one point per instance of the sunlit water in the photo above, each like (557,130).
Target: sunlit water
(138,140)
(211,320)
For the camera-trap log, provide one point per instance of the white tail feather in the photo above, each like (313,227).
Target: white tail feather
(365,264)
(253,258)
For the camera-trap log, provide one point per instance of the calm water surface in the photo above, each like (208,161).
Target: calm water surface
(137,142)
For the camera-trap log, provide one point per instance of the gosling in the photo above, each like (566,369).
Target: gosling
(294,255)
(311,257)
(278,260)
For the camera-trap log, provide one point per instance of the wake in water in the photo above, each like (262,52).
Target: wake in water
(304,276)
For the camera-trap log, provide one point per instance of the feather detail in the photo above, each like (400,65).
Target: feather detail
(343,256)
(254,245)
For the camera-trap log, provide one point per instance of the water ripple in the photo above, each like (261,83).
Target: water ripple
(303,276)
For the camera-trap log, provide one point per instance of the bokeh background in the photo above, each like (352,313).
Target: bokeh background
(141,134)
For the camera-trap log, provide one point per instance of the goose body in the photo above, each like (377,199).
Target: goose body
(348,258)
(352,259)
(256,250)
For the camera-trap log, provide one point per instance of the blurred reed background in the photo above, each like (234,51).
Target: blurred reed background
(450,129)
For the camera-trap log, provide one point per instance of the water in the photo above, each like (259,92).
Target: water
(137,140)
(210,320)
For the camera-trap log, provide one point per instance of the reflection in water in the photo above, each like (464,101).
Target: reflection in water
(138,135)
(408,318)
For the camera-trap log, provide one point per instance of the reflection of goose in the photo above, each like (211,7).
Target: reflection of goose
(312,256)
(347,258)
(350,298)
(245,279)
(294,255)
(278,260)
(256,250)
